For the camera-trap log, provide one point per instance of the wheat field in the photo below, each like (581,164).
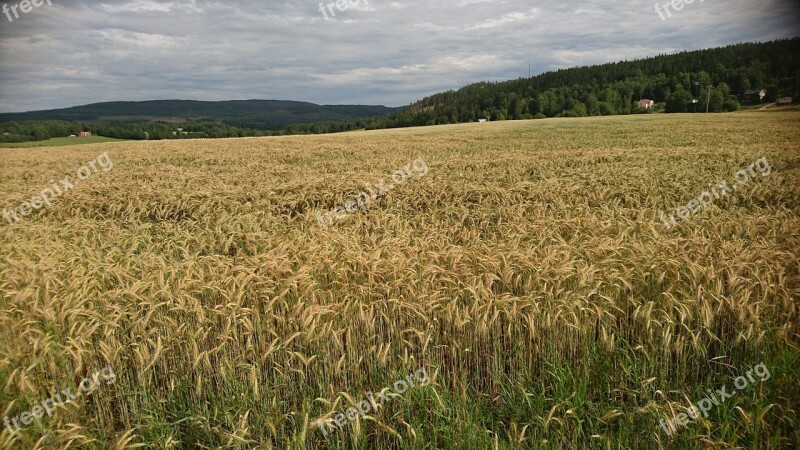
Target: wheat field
(527,272)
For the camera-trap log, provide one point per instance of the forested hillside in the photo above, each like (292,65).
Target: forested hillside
(676,83)
(260,114)
(672,81)
(160,119)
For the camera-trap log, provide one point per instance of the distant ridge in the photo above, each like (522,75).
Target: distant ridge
(259,114)
(672,81)
(714,80)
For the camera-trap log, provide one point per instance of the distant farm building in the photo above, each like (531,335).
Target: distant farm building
(481,120)
(85,133)
(784,101)
(646,103)
(754,95)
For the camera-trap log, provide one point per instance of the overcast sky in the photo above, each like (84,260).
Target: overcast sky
(388,52)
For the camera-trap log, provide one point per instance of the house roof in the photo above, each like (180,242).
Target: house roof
(645,100)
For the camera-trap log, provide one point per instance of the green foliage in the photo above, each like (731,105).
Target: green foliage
(60,142)
(673,81)
(679,101)
(730,105)
(271,115)
(614,88)
(37,130)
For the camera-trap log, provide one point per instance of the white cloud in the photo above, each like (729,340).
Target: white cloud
(385,52)
(506,19)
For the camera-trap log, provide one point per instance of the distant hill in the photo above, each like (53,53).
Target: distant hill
(737,73)
(673,83)
(257,114)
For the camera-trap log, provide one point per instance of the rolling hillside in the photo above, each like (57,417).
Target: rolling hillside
(672,81)
(258,114)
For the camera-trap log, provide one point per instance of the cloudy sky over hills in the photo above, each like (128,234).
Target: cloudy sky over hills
(389,52)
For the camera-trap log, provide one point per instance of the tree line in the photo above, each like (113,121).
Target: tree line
(39,130)
(715,80)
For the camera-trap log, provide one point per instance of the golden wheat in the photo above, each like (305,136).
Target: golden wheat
(527,270)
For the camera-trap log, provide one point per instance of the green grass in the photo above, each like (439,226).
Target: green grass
(528,272)
(61,141)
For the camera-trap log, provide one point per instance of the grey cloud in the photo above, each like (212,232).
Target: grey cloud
(388,52)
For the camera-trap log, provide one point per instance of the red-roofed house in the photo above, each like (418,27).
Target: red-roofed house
(85,133)
(646,103)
